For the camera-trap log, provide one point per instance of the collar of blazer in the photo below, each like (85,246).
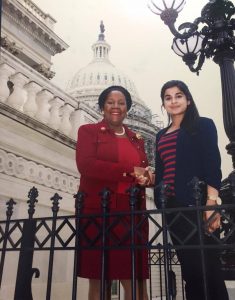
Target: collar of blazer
(164,130)
(103,127)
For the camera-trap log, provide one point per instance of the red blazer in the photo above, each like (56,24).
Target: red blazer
(97,161)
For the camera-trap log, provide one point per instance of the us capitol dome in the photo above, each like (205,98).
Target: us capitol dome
(90,81)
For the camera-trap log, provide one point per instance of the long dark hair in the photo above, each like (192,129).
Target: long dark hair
(191,116)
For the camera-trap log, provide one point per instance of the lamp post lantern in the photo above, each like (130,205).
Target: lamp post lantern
(211,35)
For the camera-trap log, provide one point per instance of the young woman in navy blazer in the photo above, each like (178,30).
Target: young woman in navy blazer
(188,148)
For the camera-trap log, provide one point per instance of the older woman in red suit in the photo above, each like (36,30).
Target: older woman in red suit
(106,152)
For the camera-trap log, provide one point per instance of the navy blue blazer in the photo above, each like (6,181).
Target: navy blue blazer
(197,154)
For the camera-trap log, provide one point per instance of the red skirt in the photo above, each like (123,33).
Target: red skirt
(118,236)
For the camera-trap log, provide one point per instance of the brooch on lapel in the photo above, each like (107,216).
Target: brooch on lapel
(103,129)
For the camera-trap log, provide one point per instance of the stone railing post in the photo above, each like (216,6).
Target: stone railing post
(43,112)
(55,118)
(19,94)
(5,72)
(65,124)
(30,107)
(76,122)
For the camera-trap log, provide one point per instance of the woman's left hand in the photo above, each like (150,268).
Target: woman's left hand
(214,222)
(142,180)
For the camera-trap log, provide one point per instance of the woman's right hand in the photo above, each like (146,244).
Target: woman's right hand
(144,176)
(213,221)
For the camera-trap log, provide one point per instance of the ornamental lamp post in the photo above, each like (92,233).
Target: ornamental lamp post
(209,36)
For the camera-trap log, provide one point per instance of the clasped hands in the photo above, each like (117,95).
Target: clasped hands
(143,176)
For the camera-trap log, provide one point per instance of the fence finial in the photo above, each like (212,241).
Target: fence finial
(133,192)
(10,205)
(79,198)
(105,196)
(55,202)
(33,194)
(197,189)
(164,188)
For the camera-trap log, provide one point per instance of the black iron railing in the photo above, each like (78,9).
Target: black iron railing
(27,236)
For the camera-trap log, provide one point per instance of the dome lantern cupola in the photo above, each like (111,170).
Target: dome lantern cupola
(101,48)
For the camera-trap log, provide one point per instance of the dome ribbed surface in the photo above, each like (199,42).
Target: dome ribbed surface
(99,74)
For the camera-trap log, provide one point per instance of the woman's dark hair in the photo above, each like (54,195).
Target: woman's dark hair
(103,96)
(191,116)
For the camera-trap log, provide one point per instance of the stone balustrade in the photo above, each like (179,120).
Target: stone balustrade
(36,97)
(39,99)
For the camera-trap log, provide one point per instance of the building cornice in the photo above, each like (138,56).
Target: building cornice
(35,10)
(17,13)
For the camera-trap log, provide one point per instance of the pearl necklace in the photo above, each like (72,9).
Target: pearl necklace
(121,133)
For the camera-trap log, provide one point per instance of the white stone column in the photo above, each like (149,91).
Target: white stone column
(65,124)
(30,107)
(19,95)
(5,72)
(55,118)
(43,112)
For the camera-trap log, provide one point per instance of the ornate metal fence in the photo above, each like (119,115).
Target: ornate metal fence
(27,236)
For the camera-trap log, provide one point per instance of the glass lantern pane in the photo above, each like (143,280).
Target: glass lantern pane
(179,47)
(199,44)
(179,5)
(156,6)
(191,45)
(194,43)
(169,3)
